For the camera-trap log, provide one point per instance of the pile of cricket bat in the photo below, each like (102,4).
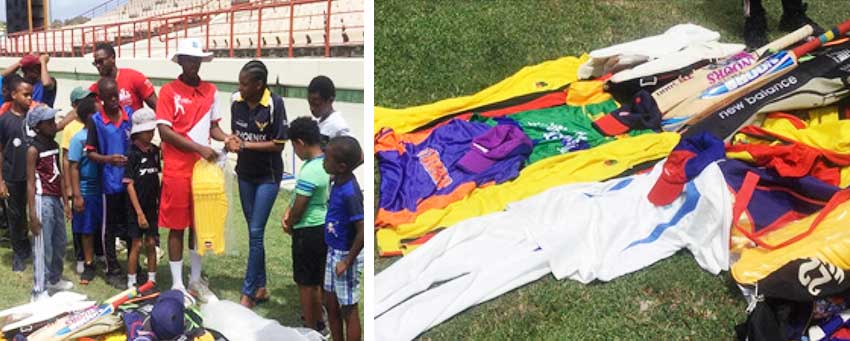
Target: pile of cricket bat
(64,328)
(698,102)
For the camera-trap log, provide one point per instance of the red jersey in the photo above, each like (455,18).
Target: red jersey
(133,88)
(190,111)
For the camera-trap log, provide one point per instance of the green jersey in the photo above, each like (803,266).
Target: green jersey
(561,129)
(312,182)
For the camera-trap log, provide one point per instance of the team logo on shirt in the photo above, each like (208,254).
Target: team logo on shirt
(178,105)
(124,97)
(261,125)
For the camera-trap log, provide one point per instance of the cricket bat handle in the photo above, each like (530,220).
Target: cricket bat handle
(826,37)
(785,41)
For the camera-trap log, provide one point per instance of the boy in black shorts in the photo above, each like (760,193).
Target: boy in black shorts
(305,219)
(141,175)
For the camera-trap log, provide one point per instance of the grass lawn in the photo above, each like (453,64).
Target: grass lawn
(224,273)
(430,50)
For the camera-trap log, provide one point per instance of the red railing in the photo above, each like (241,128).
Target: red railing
(279,27)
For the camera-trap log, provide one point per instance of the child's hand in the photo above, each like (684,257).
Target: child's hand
(79,204)
(286,228)
(4,191)
(35,225)
(117,160)
(143,222)
(341,266)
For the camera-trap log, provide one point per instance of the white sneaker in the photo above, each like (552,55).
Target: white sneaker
(201,290)
(159,253)
(40,297)
(61,285)
(80,266)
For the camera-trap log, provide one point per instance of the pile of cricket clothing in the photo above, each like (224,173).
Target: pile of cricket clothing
(768,202)
(142,314)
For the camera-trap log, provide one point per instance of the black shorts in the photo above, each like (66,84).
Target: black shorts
(133,229)
(308,255)
(116,214)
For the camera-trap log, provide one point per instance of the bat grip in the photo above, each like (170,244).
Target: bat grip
(811,45)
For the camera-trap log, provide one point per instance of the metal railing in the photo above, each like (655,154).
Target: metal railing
(290,28)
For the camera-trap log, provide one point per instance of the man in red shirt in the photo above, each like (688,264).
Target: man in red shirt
(133,87)
(187,116)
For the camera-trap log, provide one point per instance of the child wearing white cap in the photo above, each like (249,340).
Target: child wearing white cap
(141,175)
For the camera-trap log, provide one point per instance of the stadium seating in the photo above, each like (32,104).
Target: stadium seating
(307,36)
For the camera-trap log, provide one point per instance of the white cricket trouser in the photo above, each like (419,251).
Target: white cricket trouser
(469,264)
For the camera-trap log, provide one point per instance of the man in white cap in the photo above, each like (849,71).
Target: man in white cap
(187,116)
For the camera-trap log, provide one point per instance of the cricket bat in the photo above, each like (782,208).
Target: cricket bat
(700,79)
(66,326)
(695,109)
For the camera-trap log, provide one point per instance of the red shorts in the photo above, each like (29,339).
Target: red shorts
(175,204)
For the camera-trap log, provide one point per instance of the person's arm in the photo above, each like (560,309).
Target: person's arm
(356,247)
(4,191)
(151,101)
(71,116)
(35,224)
(145,90)
(79,204)
(46,80)
(265,146)
(169,136)
(66,193)
(92,149)
(217,133)
(134,199)
(66,178)
(9,70)
(296,212)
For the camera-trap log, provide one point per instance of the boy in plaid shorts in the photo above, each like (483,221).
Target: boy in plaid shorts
(344,238)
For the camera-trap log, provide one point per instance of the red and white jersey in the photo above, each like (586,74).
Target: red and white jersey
(190,112)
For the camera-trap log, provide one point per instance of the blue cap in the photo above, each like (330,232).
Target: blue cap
(167,320)
(40,113)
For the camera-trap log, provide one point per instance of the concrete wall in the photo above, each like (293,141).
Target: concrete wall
(346,73)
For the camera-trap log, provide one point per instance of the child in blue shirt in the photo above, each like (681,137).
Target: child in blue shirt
(344,238)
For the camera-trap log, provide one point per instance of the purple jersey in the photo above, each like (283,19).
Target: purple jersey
(427,175)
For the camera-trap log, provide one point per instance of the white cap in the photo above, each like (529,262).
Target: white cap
(191,47)
(144,119)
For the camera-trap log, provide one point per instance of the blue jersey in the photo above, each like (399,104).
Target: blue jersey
(89,171)
(109,138)
(345,207)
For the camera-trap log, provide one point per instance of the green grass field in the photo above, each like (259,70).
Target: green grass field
(430,50)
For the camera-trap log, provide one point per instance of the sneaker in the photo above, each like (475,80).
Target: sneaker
(60,285)
(18,264)
(88,274)
(159,252)
(755,31)
(39,297)
(201,290)
(80,266)
(794,18)
(117,281)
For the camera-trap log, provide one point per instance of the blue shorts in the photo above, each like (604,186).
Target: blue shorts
(345,287)
(91,218)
